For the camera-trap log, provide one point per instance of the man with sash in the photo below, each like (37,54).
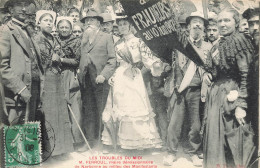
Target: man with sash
(187,93)
(97,65)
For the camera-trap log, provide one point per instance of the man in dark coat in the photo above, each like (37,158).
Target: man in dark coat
(20,64)
(19,68)
(97,64)
(252,16)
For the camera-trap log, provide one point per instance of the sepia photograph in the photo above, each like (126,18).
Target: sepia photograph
(129,83)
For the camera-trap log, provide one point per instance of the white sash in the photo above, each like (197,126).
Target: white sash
(188,76)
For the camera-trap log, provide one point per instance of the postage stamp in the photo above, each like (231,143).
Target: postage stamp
(23,144)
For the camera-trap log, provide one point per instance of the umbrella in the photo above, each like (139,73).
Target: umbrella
(111,125)
(241,143)
(112,130)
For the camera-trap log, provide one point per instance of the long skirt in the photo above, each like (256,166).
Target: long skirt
(128,105)
(56,115)
(220,144)
(73,96)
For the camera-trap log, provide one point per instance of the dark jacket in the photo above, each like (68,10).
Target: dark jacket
(100,53)
(16,61)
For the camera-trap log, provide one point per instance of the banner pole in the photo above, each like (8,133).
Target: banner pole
(205,10)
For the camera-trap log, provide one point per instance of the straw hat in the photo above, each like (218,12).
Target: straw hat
(196,14)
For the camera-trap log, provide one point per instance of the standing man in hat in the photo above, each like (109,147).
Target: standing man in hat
(107,25)
(97,64)
(20,65)
(187,93)
(4,15)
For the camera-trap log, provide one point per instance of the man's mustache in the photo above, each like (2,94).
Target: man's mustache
(197,27)
(90,27)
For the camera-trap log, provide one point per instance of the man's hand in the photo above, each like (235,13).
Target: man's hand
(24,96)
(56,58)
(111,81)
(167,68)
(100,79)
(207,77)
(157,68)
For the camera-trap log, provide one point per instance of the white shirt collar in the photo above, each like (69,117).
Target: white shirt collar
(216,41)
(192,40)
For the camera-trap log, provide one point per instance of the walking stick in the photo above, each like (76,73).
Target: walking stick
(85,139)
(100,120)
(27,112)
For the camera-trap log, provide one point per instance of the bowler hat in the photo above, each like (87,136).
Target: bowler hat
(182,18)
(250,12)
(196,14)
(91,13)
(106,17)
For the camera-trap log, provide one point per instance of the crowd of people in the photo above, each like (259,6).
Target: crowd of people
(94,72)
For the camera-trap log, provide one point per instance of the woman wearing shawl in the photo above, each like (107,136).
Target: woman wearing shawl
(128,104)
(70,54)
(226,105)
(54,104)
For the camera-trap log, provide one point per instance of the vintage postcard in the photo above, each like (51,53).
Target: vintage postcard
(129,83)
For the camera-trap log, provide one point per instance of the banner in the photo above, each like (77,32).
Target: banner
(157,25)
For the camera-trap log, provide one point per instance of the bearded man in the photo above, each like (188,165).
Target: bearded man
(187,95)
(97,65)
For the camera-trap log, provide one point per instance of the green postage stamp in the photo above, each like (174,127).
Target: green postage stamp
(22,144)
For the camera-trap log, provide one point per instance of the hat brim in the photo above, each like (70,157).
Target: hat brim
(82,20)
(206,22)
(3,10)
(105,21)
(10,3)
(124,17)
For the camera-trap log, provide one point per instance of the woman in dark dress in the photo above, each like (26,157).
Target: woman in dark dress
(54,104)
(70,52)
(226,105)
